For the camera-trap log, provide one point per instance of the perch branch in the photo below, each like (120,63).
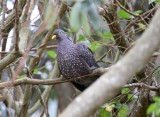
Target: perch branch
(27,80)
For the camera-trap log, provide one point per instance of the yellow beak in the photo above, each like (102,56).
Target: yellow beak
(54,36)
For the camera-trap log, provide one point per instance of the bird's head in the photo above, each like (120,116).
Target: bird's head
(58,34)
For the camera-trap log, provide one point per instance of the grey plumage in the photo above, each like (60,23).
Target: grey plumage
(74,60)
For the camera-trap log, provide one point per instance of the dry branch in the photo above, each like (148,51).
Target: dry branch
(142,85)
(54,81)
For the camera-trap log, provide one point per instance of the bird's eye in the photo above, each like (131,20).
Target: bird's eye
(60,32)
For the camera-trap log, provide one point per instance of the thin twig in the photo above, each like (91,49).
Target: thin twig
(17,25)
(4,42)
(142,85)
(47,47)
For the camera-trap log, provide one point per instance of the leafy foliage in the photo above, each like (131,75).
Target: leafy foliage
(94,46)
(104,113)
(155,1)
(123,112)
(81,11)
(50,11)
(107,35)
(107,109)
(123,14)
(154,107)
(51,54)
(36,71)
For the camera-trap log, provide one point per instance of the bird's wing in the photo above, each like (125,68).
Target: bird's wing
(87,55)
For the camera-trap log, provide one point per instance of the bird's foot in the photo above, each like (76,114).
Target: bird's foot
(93,68)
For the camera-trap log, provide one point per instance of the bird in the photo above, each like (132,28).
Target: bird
(74,60)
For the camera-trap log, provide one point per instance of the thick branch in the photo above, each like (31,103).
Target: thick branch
(9,59)
(109,84)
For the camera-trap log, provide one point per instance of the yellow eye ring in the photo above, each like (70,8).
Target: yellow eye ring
(60,32)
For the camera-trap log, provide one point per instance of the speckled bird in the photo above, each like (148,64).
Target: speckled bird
(74,60)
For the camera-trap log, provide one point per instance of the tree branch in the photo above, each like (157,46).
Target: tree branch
(142,85)
(17,25)
(54,81)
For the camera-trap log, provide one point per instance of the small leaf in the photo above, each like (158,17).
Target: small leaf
(137,12)
(123,112)
(81,38)
(75,21)
(152,108)
(117,104)
(104,113)
(35,71)
(93,16)
(108,35)
(85,24)
(52,54)
(94,46)
(142,26)
(131,96)
(157,99)
(125,90)
(50,11)
(123,14)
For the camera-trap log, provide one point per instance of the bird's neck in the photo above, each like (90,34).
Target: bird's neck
(65,44)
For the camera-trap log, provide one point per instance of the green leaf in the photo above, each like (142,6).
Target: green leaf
(155,107)
(85,24)
(152,108)
(75,21)
(81,38)
(52,54)
(123,14)
(137,12)
(123,112)
(131,96)
(36,71)
(108,35)
(93,16)
(94,46)
(50,11)
(157,99)
(125,90)
(157,1)
(117,103)
(104,113)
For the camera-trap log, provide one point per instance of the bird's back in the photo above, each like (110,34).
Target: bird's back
(71,64)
